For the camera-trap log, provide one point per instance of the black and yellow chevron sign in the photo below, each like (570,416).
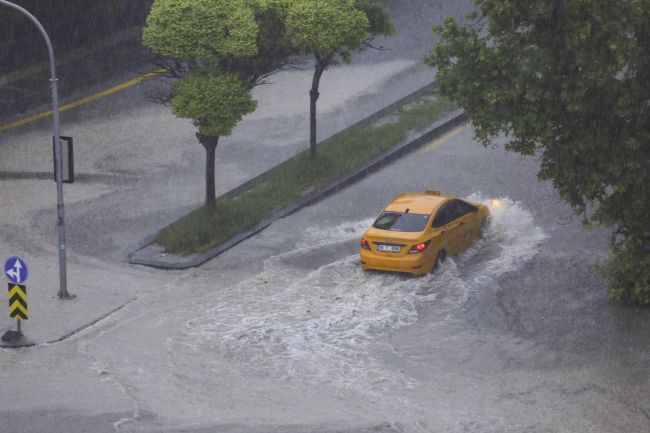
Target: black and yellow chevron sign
(18,301)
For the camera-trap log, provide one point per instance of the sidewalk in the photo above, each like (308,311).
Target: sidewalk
(51,319)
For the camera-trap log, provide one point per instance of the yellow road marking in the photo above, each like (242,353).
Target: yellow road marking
(83,101)
(449,135)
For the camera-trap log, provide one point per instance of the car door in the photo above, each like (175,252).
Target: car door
(445,220)
(466,218)
(474,220)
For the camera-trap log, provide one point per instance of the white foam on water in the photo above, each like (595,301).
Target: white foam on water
(317,325)
(323,324)
(319,236)
(512,237)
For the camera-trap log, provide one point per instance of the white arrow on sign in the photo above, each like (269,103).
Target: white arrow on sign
(15,272)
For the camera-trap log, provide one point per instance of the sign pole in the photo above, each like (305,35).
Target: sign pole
(63,289)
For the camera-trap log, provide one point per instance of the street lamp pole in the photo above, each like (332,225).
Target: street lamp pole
(63,289)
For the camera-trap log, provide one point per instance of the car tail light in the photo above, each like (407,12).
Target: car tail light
(364,244)
(415,249)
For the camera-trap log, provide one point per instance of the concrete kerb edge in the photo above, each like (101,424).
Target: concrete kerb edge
(71,333)
(440,127)
(93,322)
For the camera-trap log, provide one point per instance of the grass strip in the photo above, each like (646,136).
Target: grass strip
(200,230)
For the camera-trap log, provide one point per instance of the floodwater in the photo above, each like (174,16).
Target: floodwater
(285,333)
(321,323)
(310,322)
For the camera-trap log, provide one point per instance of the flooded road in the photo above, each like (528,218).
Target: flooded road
(313,313)
(313,324)
(285,332)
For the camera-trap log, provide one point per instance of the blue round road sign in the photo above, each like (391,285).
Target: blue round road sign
(16,270)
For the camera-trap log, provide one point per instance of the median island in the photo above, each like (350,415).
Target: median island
(282,186)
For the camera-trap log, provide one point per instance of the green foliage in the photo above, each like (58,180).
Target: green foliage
(217,50)
(245,37)
(628,272)
(201,230)
(379,20)
(274,43)
(327,27)
(569,81)
(220,39)
(331,30)
(214,102)
(201,29)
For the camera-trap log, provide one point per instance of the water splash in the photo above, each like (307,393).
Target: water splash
(324,324)
(512,238)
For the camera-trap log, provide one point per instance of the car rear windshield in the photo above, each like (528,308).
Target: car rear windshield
(401,222)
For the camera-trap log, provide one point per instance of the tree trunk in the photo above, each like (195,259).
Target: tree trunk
(210,145)
(319,68)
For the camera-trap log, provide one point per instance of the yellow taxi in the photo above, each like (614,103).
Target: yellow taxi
(415,232)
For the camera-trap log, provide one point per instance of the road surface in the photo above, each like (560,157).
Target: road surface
(285,333)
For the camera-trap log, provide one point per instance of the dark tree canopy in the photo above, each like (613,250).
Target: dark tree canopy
(568,80)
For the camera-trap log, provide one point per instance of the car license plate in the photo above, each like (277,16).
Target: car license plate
(388,248)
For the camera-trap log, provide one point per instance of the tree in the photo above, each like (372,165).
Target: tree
(568,80)
(331,30)
(215,103)
(217,50)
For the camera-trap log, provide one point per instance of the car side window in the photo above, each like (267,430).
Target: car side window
(468,208)
(461,208)
(438,219)
(442,216)
(450,211)
(455,210)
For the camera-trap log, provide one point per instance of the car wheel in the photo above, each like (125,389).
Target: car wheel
(440,259)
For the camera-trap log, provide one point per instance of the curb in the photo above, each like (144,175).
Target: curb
(24,342)
(439,127)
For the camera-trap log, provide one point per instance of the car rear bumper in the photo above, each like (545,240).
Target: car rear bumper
(416,264)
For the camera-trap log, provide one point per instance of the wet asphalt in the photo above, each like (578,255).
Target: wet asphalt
(284,333)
